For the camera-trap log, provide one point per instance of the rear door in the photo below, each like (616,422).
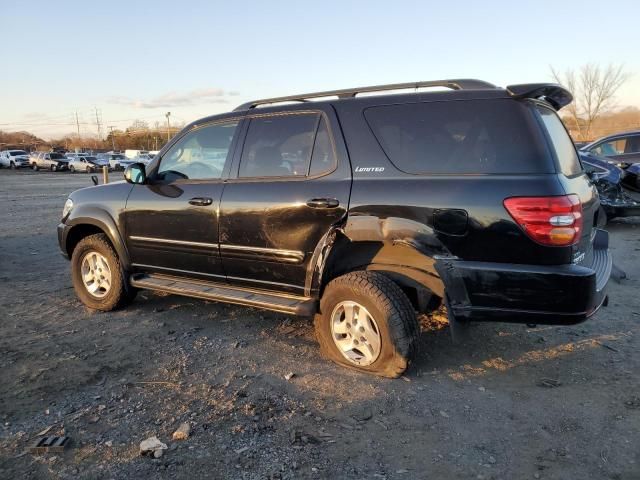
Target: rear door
(574,180)
(290,183)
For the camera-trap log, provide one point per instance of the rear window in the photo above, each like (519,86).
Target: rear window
(14,153)
(562,144)
(56,156)
(460,137)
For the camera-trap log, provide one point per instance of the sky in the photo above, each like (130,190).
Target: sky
(140,59)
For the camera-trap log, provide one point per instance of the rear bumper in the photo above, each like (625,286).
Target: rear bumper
(553,295)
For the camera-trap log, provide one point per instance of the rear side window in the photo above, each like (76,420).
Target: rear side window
(279,146)
(323,159)
(460,137)
(562,143)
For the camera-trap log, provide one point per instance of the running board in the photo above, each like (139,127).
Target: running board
(219,292)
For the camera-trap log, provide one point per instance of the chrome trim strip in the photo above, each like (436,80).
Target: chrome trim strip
(289,256)
(275,251)
(173,242)
(142,265)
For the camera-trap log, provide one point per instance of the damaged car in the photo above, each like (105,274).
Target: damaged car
(359,209)
(615,201)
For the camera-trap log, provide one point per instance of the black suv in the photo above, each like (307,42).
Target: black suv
(360,209)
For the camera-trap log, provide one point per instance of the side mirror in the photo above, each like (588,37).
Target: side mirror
(135,173)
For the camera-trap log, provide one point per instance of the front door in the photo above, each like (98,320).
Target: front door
(290,184)
(171,223)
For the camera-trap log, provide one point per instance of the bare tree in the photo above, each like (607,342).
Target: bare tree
(594,88)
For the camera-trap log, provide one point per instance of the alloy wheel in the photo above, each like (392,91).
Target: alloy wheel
(355,333)
(96,274)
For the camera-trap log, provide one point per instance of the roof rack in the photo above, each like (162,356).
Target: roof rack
(456,84)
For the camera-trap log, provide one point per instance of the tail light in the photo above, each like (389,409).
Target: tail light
(555,221)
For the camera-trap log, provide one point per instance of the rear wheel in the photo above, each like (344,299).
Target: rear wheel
(98,277)
(12,166)
(34,166)
(72,169)
(53,168)
(366,322)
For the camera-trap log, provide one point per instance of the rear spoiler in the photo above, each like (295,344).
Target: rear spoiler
(555,95)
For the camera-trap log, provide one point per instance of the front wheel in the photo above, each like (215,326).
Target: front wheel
(98,277)
(12,166)
(34,166)
(366,322)
(53,168)
(72,169)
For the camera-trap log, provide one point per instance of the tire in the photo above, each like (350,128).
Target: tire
(393,317)
(34,166)
(53,168)
(119,293)
(72,169)
(12,166)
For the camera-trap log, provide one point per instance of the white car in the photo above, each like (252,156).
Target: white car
(86,163)
(144,158)
(14,159)
(117,161)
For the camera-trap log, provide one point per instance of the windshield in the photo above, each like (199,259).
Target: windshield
(13,153)
(91,159)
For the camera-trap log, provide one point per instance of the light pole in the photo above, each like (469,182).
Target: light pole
(168,126)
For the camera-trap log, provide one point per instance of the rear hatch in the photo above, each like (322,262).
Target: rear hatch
(574,181)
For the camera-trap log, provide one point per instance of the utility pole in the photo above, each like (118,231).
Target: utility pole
(113,140)
(78,127)
(98,124)
(168,126)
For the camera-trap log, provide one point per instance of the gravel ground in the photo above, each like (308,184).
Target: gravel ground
(511,402)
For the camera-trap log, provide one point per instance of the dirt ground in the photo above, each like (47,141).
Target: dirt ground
(511,402)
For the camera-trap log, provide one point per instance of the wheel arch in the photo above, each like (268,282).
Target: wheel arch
(344,250)
(99,221)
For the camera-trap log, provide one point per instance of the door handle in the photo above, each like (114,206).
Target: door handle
(201,201)
(323,203)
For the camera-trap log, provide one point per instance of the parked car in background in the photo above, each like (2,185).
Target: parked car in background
(623,149)
(14,159)
(52,161)
(86,163)
(131,153)
(117,161)
(144,158)
(609,180)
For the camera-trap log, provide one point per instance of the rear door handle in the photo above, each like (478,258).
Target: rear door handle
(201,201)
(323,203)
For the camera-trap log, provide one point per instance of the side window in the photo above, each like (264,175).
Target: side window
(633,144)
(279,146)
(562,144)
(200,154)
(612,147)
(323,159)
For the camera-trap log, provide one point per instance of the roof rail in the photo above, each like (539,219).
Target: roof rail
(456,84)
(555,95)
